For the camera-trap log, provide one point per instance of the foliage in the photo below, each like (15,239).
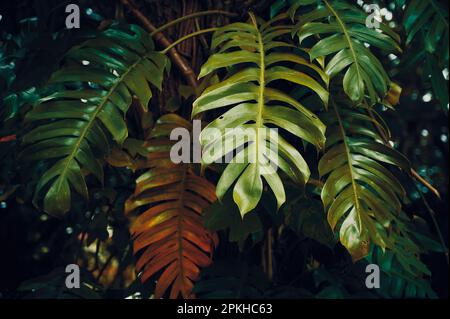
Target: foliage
(356,181)
(427,22)
(87,139)
(261,50)
(346,42)
(121,63)
(171,228)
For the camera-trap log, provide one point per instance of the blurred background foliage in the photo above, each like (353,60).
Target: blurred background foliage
(307,261)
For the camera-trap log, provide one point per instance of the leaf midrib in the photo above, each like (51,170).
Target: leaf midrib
(347,37)
(262,84)
(349,163)
(182,189)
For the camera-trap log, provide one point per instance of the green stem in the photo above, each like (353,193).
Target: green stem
(190,16)
(435,223)
(186,37)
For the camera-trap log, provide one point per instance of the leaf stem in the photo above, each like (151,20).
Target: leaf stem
(412,171)
(424,182)
(186,37)
(436,225)
(190,16)
(269,254)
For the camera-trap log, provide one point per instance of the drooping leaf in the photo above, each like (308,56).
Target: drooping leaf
(243,131)
(360,194)
(342,35)
(71,130)
(170,230)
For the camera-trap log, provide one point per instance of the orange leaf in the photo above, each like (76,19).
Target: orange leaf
(169,234)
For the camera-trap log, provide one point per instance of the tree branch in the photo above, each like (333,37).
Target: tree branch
(176,58)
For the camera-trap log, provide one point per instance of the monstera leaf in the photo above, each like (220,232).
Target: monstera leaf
(170,231)
(71,125)
(359,189)
(260,58)
(344,37)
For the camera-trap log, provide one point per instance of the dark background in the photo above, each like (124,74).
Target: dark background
(33,244)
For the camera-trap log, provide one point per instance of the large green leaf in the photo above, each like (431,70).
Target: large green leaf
(359,190)
(72,128)
(341,33)
(254,49)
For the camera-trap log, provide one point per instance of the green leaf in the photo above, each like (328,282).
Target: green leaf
(438,82)
(306,216)
(342,32)
(431,17)
(402,270)
(224,215)
(255,107)
(359,190)
(71,129)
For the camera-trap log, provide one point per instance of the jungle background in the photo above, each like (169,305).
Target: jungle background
(36,247)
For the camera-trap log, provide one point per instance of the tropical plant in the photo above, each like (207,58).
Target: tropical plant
(348,41)
(171,229)
(357,182)
(66,124)
(427,22)
(301,182)
(253,84)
